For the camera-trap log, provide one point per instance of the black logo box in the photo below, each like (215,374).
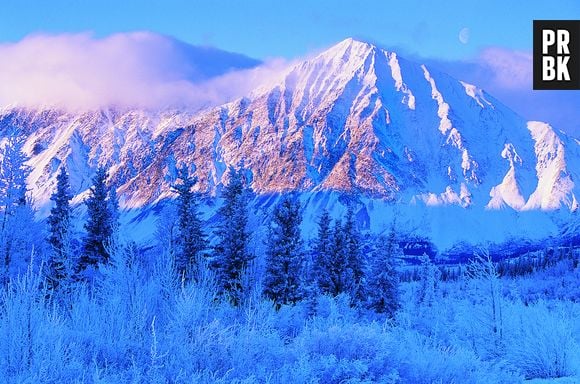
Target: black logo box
(573,28)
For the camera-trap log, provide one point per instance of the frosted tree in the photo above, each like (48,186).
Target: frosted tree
(13,174)
(99,225)
(232,254)
(383,279)
(483,272)
(321,280)
(191,240)
(18,229)
(21,240)
(338,268)
(353,255)
(284,252)
(337,258)
(59,222)
(430,276)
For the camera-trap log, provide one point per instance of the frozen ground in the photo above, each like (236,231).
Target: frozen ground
(137,324)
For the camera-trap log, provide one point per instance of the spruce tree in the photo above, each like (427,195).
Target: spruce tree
(232,254)
(13,174)
(354,257)
(430,275)
(17,230)
(338,269)
(322,255)
(99,225)
(383,280)
(192,241)
(284,252)
(59,223)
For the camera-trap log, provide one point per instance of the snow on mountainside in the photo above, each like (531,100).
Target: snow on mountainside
(354,119)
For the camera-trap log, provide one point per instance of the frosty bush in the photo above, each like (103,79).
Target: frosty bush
(140,323)
(541,342)
(489,316)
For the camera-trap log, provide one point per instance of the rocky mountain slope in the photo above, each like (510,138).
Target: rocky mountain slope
(355,121)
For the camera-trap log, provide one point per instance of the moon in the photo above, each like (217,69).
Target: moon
(464,35)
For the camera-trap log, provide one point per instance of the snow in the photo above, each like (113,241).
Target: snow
(508,192)
(476,94)
(409,99)
(354,127)
(139,323)
(555,186)
(353,119)
(443,111)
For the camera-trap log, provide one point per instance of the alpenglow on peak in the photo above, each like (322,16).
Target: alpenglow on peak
(353,119)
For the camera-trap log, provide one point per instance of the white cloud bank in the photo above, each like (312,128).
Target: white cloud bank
(508,76)
(138,69)
(507,68)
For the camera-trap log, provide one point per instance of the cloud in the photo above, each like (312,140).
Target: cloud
(139,69)
(147,70)
(507,68)
(508,76)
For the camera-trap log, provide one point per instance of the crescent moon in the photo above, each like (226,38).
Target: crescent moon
(464,35)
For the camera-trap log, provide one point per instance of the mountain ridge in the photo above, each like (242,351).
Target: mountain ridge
(355,119)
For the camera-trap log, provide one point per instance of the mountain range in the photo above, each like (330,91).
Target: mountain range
(402,142)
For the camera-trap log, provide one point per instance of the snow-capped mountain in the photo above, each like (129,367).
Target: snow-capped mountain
(356,119)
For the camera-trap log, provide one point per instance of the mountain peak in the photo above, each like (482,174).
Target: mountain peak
(352,41)
(355,119)
(350,44)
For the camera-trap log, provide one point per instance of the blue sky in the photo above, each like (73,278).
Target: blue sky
(265,28)
(494,51)
(293,28)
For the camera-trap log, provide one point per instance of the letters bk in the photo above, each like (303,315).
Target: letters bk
(556,54)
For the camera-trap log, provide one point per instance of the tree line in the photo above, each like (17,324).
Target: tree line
(332,265)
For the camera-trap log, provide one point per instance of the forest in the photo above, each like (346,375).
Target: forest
(202,305)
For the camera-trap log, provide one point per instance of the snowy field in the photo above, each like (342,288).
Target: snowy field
(139,324)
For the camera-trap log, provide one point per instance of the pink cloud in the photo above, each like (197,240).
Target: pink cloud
(138,69)
(508,69)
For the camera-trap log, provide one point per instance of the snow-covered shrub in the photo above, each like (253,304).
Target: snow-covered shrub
(486,315)
(138,323)
(429,282)
(345,341)
(420,359)
(540,341)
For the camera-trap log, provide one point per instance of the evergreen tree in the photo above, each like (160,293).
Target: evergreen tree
(284,254)
(383,284)
(99,225)
(318,276)
(13,174)
(231,252)
(59,222)
(322,250)
(354,257)
(192,241)
(338,264)
(18,227)
(429,277)
(340,275)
